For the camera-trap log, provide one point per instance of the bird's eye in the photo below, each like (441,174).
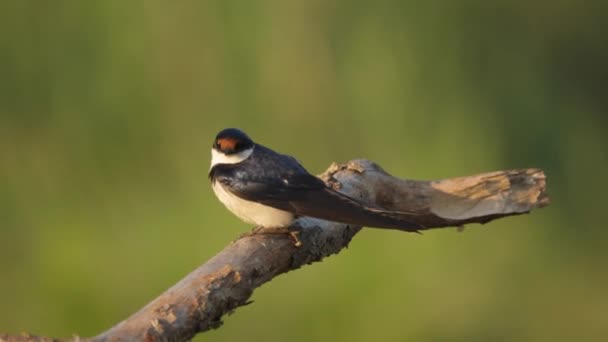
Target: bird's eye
(238,146)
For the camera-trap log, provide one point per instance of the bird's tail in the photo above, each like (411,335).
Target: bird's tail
(334,206)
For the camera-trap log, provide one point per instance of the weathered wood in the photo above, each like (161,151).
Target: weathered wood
(448,202)
(198,302)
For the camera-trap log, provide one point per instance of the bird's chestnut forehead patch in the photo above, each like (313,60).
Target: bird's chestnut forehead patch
(225,144)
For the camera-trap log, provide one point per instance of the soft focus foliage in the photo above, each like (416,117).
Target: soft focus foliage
(108,110)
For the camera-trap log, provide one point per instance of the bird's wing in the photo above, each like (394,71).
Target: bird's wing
(307,195)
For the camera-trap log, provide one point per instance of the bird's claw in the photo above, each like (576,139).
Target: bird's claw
(259,230)
(296,239)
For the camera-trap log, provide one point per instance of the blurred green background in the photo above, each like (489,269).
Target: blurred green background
(108,110)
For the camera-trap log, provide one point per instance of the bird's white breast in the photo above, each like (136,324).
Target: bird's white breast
(252,212)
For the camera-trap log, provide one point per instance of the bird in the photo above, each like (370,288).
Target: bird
(271,190)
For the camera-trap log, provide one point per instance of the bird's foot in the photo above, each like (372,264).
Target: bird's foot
(259,230)
(294,234)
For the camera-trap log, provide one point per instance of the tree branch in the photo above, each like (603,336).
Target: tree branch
(198,302)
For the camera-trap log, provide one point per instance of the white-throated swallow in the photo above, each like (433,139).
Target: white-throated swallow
(269,189)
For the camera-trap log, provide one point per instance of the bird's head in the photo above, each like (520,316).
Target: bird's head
(231,146)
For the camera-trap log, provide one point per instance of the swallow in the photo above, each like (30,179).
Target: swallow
(270,189)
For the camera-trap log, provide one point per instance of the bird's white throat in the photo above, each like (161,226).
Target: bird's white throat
(221,158)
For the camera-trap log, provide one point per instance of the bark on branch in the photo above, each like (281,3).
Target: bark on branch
(198,302)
